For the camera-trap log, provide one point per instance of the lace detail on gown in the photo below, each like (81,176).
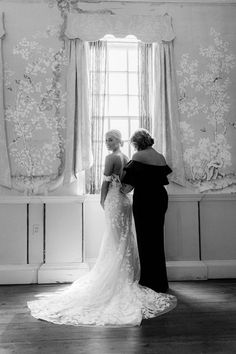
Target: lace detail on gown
(109,295)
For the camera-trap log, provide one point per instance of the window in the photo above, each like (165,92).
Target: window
(121,96)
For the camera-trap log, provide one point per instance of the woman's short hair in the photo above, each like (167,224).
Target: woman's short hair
(142,139)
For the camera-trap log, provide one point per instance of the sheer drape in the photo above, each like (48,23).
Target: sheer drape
(145,74)
(98,69)
(78,153)
(166,129)
(5,175)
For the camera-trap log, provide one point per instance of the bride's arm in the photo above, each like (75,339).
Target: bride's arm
(108,170)
(104,190)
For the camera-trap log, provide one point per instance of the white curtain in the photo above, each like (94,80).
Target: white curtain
(78,152)
(145,73)
(5,174)
(166,129)
(98,66)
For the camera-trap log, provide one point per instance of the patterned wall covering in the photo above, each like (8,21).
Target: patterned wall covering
(35,93)
(204,96)
(34,97)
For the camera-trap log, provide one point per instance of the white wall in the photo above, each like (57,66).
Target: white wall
(56,239)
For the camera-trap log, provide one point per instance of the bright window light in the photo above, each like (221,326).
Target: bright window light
(122,98)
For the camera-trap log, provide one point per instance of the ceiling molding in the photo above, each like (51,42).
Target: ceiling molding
(159,2)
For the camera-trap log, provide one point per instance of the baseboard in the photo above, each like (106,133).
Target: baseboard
(41,273)
(61,273)
(68,272)
(177,270)
(18,273)
(220,269)
(90,262)
(186,270)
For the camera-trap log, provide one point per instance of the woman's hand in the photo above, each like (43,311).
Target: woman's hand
(126,188)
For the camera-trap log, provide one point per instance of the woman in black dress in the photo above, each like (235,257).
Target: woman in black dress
(147,174)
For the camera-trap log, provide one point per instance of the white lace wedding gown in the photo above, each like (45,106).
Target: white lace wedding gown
(109,295)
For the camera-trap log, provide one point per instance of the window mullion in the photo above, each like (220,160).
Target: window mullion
(108,89)
(127,88)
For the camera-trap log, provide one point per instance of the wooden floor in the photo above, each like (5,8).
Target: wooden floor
(203,322)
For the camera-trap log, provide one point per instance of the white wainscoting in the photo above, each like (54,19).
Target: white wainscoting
(57,238)
(41,239)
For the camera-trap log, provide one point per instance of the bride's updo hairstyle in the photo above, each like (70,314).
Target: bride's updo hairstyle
(141,139)
(115,133)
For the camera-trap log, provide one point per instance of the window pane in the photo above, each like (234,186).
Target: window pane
(133,59)
(118,106)
(133,106)
(134,125)
(132,150)
(121,125)
(117,59)
(117,83)
(125,149)
(133,84)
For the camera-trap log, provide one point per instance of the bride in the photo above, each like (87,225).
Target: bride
(109,295)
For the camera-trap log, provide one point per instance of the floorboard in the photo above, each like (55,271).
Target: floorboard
(204,322)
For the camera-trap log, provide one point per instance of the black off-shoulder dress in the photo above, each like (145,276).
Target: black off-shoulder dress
(150,201)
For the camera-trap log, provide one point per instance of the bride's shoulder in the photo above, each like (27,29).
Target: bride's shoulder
(113,159)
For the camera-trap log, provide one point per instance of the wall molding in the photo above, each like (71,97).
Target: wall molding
(161,2)
(69,272)
(37,199)
(94,198)
(218,269)
(61,273)
(186,2)
(18,274)
(41,273)
(177,270)
(186,270)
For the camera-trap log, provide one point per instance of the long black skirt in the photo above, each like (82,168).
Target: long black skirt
(149,215)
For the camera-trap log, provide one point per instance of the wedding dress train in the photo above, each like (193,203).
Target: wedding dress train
(109,295)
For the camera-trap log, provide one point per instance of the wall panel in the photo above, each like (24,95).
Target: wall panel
(63,233)
(13,234)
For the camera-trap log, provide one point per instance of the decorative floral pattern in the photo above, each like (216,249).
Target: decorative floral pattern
(208,160)
(36,122)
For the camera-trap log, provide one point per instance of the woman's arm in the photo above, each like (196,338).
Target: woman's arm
(108,170)
(126,188)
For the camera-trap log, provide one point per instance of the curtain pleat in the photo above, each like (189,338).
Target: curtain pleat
(78,149)
(145,85)
(166,129)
